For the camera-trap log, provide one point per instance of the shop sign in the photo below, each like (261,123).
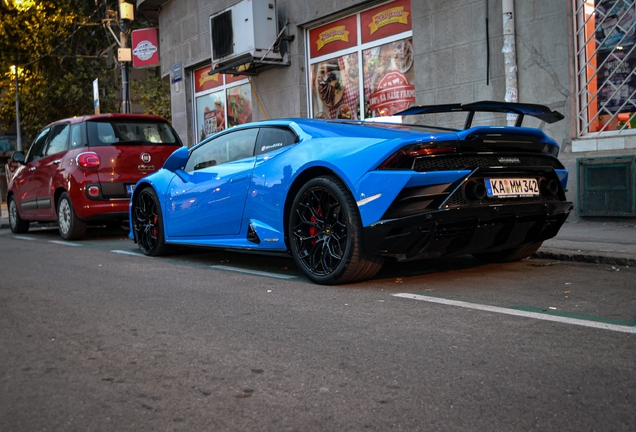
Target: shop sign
(145,51)
(386,20)
(333,37)
(203,80)
(229,79)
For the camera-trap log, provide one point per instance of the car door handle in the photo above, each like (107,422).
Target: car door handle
(31,169)
(238,179)
(57,161)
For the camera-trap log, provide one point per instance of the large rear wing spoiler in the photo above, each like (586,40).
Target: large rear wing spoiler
(541,112)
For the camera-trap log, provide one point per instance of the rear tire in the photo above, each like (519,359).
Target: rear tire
(509,255)
(69,225)
(17,224)
(147,224)
(325,234)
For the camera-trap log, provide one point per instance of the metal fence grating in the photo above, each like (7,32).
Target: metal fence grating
(606,65)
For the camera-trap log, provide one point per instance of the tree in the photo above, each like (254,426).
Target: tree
(154,95)
(60,47)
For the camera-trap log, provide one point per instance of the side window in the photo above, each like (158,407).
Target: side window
(273,138)
(37,148)
(229,147)
(58,138)
(76,136)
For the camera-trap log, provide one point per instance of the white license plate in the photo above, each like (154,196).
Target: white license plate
(130,188)
(502,187)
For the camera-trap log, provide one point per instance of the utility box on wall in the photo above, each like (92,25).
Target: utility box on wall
(245,31)
(607,186)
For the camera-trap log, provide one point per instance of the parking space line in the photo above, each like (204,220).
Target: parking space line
(24,238)
(522,313)
(65,243)
(253,272)
(123,252)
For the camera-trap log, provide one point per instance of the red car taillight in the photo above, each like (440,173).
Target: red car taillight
(403,158)
(88,160)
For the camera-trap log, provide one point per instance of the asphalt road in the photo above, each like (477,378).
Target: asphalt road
(95,337)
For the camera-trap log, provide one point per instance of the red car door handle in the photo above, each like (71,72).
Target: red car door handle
(31,169)
(57,161)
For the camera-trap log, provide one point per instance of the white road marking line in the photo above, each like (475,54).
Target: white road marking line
(535,315)
(123,252)
(23,238)
(65,243)
(253,272)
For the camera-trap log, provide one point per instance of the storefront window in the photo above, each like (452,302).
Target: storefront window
(606,65)
(221,101)
(369,54)
(239,100)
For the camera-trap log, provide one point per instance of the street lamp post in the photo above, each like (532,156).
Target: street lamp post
(126,14)
(20,5)
(17,109)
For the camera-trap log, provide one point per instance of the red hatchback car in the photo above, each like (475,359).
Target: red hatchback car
(82,170)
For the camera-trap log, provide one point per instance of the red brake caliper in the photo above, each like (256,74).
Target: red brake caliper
(312,229)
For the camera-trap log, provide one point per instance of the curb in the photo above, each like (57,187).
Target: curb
(589,258)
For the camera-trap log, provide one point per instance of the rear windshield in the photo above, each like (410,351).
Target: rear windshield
(104,133)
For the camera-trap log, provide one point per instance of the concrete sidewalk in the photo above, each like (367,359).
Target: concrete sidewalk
(592,241)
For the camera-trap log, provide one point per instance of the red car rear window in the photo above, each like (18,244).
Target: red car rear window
(122,132)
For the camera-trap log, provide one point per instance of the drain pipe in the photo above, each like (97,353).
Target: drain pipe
(510,55)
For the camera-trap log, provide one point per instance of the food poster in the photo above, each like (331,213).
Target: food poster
(210,114)
(239,105)
(388,78)
(336,88)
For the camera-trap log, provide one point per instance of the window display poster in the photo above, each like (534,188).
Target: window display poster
(336,89)
(615,22)
(239,105)
(210,114)
(387,81)
(388,78)
(618,83)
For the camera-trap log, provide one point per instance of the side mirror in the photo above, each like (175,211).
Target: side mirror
(177,160)
(18,156)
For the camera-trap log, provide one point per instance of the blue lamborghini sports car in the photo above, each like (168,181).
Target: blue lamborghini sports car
(342,197)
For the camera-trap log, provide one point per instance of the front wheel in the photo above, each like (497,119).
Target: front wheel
(509,255)
(17,224)
(70,226)
(147,223)
(325,234)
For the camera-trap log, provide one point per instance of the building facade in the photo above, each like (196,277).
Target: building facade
(366,58)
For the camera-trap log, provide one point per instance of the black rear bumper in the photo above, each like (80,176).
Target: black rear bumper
(466,230)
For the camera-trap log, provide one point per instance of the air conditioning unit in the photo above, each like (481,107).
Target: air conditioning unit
(244,32)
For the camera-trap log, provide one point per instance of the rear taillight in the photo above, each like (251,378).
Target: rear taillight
(88,160)
(403,158)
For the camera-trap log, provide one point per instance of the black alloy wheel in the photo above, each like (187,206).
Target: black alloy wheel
(325,232)
(148,223)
